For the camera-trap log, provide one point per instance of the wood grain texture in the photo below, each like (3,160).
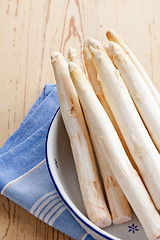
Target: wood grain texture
(29,31)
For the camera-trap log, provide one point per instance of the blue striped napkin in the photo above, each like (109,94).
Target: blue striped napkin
(24,176)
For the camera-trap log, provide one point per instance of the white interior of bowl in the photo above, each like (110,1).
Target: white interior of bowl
(62,169)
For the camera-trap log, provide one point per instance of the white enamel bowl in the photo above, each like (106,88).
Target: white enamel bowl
(63,173)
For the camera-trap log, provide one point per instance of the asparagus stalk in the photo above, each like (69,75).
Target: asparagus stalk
(119,207)
(90,185)
(134,132)
(141,94)
(106,47)
(73,56)
(96,84)
(112,36)
(107,137)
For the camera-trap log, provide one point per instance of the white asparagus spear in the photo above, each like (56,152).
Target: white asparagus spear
(140,92)
(90,185)
(112,36)
(119,207)
(127,177)
(74,56)
(96,84)
(134,132)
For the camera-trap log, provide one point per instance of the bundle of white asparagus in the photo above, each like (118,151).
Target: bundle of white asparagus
(119,207)
(120,105)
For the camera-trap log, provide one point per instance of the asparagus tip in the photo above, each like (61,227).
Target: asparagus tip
(54,56)
(114,47)
(85,46)
(72,52)
(86,52)
(110,34)
(93,43)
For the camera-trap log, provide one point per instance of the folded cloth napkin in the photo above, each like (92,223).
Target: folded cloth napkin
(24,176)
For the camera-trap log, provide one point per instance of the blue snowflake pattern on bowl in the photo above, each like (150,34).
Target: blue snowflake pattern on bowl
(133,228)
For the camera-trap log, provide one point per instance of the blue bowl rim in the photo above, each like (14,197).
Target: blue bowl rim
(63,199)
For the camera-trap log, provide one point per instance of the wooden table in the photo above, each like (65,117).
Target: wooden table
(29,31)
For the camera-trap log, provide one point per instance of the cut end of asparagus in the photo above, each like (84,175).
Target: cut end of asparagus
(54,56)
(121,220)
(103,223)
